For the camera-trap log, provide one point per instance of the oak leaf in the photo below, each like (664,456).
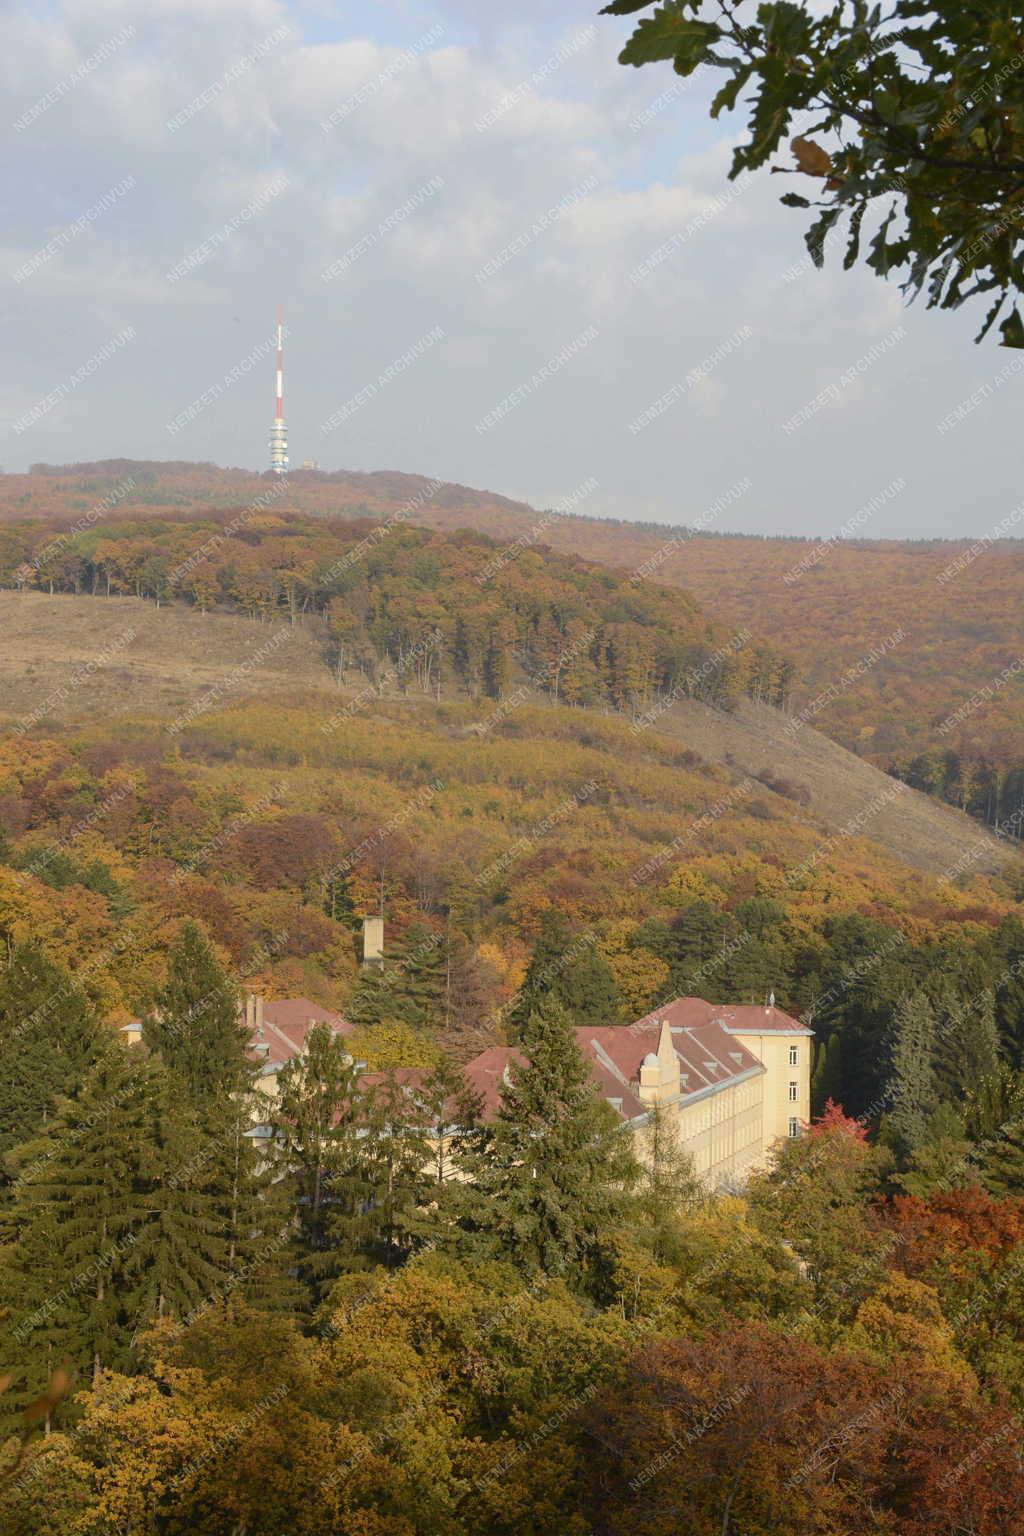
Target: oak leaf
(810,157)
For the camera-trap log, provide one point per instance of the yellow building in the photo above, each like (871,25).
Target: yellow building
(735,1079)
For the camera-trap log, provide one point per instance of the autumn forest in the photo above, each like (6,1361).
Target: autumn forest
(382,696)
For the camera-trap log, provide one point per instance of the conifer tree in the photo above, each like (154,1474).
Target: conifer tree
(394,1160)
(1002,1163)
(316,1129)
(102,1241)
(554,1173)
(338,903)
(547,962)
(420,960)
(939,1163)
(748,970)
(379,997)
(48,1038)
(182,1252)
(1008,958)
(913,1092)
(452,1114)
(408,988)
(567,971)
(698,941)
(253,1206)
(827,1075)
(667,1186)
(469,984)
(196,1026)
(967,1056)
(994,1104)
(587,990)
(73,1217)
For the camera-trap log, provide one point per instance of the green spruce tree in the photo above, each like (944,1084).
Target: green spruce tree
(452,1114)
(554,1174)
(182,1253)
(568,971)
(699,935)
(747,972)
(547,963)
(827,1072)
(253,1205)
(913,1091)
(316,1127)
(101,1240)
(74,1216)
(408,988)
(587,990)
(395,1161)
(940,1162)
(1007,969)
(48,1039)
(196,1027)
(1002,1162)
(338,903)
(667,1186)
(967,1058)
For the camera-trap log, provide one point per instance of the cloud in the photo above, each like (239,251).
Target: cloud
(507,183)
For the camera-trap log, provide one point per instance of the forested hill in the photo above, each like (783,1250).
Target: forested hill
(443,611)
(909,653)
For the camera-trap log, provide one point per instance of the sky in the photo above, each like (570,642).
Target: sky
(505,260)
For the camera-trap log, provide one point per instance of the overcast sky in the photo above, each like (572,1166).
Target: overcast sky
(505,260)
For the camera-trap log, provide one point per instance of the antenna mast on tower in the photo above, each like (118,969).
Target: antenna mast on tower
(278,432)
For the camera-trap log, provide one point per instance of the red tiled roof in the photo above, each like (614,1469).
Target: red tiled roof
(485,1072)
(703,1035)
(708,1055)
(286,1023)
(405,1077)
(739,1018)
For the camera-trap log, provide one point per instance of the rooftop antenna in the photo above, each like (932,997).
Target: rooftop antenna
(278,432)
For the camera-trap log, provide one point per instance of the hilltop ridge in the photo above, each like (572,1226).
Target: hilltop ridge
(157,663)
(943,706)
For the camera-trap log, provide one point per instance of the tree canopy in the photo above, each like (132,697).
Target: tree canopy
(911,113)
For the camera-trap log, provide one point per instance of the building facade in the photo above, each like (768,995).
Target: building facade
(733,1079)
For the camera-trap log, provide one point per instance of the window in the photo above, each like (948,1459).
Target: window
(794,1092)
(793,1055)
(794,1126)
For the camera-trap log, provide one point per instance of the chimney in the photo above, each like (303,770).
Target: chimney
(373,941)
(250,1012)
(258,1013)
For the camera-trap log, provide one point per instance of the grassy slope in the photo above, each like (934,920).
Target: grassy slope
(959,633)
(66,660)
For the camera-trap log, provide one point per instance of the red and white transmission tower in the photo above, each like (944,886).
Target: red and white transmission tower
(278,432)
